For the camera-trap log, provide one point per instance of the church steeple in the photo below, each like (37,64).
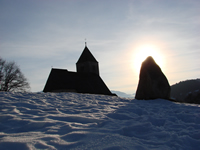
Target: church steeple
(87,63)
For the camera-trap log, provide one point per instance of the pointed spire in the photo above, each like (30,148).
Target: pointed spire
(87,63)
(86,56)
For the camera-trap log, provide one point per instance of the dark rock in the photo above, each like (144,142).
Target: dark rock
(152,83)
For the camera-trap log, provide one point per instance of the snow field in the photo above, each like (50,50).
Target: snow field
(85,121)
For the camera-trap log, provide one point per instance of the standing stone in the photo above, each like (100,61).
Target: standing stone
(152,83)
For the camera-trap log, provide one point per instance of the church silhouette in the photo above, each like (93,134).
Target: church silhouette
(85,80)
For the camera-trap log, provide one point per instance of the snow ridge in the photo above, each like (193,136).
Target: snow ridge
(86,121)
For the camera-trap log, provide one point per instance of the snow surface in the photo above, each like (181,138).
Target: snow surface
(84,121)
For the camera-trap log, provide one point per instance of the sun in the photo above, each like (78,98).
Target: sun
(142,52)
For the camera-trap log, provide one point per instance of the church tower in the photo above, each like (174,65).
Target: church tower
(87,63)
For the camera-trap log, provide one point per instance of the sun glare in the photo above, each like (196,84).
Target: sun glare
(142,52)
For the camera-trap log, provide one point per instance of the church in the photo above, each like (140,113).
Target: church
(85,80)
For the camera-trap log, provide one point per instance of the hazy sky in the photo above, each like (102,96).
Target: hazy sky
(40,34)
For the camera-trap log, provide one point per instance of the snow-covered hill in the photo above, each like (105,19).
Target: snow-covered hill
(83,121)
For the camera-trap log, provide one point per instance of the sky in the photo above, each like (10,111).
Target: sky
(43,34)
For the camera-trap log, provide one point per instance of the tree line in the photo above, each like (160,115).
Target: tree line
(187,91)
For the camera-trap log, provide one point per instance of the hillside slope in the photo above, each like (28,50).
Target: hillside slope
(186,91)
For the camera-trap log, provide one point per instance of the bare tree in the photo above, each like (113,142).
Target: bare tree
(11,77)
(2,62)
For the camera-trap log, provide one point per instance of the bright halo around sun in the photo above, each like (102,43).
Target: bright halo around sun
(142,52)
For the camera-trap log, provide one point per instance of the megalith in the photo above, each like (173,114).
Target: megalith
(153,83)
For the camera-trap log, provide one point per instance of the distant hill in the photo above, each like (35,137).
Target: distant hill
(122,94)
(186,91)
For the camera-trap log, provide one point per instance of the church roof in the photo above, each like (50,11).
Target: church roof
(86,56)
(61,80)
